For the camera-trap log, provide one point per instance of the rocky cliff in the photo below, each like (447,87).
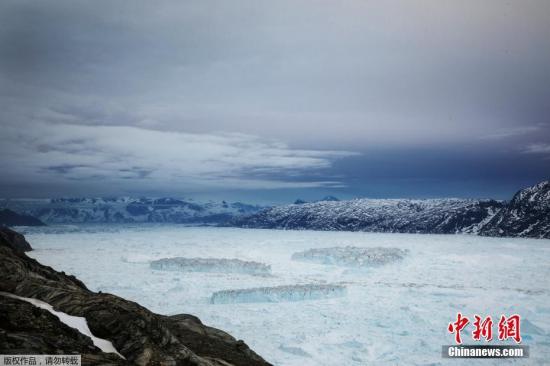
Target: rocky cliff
(14,240)
(26,329)
(142,337)
(527,214)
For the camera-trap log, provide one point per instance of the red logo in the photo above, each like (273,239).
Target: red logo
(483,328)
(509,328)
(457,327)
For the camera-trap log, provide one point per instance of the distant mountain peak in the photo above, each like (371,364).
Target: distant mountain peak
(329,198)
(527,214)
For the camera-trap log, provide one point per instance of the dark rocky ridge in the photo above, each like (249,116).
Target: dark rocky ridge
(527,215)
(143,337)
(436,216)
(14,240)
(11,218)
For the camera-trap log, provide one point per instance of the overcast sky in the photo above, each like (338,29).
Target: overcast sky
(273,100)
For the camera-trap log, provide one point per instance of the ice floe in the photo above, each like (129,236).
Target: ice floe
(278,294)
(351,256)
(221,265)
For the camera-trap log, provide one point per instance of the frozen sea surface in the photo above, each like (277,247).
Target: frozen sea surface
(392,314)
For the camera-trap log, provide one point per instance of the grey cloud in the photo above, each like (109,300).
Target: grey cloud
(63,169)
(538,148)
(318,77)
(359,71)
(80,152)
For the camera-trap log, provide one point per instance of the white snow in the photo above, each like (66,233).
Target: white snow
(76,322)
(392,314)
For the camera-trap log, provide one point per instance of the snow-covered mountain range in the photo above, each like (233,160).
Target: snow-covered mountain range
(378,215)
(127,210)
(527,215)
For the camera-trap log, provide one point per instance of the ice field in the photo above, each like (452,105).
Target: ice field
(325,307)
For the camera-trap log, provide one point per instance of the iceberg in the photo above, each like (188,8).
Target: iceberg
(278,294)
(351,256)
(219,265)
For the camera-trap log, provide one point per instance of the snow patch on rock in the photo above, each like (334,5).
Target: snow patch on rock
(76,322)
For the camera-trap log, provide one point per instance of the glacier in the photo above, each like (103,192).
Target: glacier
(351,256)
(221,265)
(391,314)
(278,294)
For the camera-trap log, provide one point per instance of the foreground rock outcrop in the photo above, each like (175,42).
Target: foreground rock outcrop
(26,329)
(142,337)
(14,240)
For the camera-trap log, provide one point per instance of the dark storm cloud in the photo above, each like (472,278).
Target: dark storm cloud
(268,94)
